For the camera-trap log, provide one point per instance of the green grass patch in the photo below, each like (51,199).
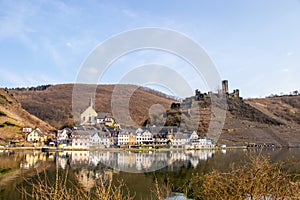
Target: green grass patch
(3,97)
(3,171)
(7,123)
(2,114)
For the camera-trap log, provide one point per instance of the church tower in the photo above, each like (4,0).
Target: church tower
(89,116)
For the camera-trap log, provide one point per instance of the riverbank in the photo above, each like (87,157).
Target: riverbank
(144,149)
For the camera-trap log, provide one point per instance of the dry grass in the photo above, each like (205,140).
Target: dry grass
(260,179)
(285,107)
(54,105)
(161,192)
(44,189)
(13,117)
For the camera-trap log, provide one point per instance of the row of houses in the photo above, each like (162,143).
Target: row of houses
(94,138)
(89,137)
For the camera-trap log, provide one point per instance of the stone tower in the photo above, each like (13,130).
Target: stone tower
(225,86)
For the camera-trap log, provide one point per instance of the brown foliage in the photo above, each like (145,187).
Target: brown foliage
(260,179)
(54,104)
(44,189)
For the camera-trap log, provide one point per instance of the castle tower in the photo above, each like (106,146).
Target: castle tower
(225,86)
(236,93)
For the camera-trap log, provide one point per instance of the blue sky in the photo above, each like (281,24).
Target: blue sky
(254,44)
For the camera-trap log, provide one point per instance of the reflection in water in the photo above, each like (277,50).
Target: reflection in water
(88,171)
(88,167)
(138,162)
(34,159)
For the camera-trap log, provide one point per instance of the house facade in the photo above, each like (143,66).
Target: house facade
(26,130)
(181,140)
(126,138)
(100,140)
(81,139)
(64,135)
(144,137)
(202,143)
(37,135)
(194,136)
(123,138)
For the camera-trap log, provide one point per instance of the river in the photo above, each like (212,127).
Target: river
(138,170)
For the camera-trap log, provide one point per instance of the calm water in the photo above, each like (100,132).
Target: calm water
(138,170)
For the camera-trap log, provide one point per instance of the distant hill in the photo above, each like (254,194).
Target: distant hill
(13,118)
(266,120)
(53,104)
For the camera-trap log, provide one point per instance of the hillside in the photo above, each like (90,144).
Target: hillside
(285,108)
(53,104)
(267,120)
(271,120)
(13,118)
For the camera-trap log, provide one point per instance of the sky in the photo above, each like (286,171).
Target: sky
(254,44)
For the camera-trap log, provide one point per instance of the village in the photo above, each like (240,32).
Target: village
(101,130)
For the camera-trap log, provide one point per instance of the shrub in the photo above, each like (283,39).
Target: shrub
(7,123)
(43,188)
(2,114)
(260,179)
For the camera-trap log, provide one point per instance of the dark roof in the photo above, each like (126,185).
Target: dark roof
(181,136)
(163,129)
(81,133)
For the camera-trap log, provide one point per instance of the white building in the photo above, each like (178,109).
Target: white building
(202,143)
(89,116)
(100,140)
(81,139)
(145,137)
(194,136)
(26,130)
(193,141)
(64,134)
(123,138)
(181,140)
(37,135)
